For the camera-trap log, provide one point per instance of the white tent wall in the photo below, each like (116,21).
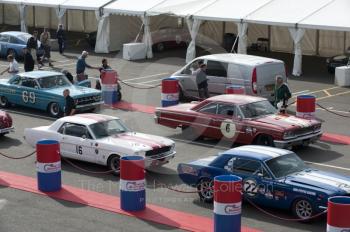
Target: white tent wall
(75,20)
(11,14)
(256,31)
(42,17)
(309,42)
(331,43)
(347,40)
(210,33)
(281,40)
(30,16)
(230,27)
(162,21)
(90,21)
(118,33)
(1,13)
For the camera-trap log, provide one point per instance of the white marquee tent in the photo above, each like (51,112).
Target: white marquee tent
(301,26)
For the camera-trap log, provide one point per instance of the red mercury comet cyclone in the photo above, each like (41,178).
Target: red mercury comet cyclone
(5,123)
(241,119)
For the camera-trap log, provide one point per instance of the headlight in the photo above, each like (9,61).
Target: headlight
(317,127)
(140,153)
(288,135)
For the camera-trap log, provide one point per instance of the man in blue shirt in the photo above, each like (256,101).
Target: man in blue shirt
(81,65)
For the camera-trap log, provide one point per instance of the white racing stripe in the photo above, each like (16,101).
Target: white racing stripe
(335,182)
(328,166)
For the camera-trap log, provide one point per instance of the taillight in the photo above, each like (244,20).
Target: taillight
(254,82)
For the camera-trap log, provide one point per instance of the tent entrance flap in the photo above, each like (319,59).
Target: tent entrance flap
(193,26)
(102,37)
(297,35)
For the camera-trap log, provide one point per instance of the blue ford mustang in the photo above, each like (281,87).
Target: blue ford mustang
(43,90)
(271,177)
(13,42)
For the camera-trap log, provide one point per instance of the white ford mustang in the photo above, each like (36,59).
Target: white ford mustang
(102,139)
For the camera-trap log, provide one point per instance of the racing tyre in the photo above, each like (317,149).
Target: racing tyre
(4,103)
(205,190)
(54,110)
(303,209)
(113,163)
(265,140)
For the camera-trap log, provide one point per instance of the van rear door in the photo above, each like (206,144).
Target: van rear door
(266,75)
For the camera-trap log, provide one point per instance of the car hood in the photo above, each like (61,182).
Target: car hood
(286,121)
(320,180)
(75,91)
(204,161)
(137,141)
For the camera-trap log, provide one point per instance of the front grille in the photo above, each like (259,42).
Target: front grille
(303,131)
(4,123)
(158,151)
(88,100)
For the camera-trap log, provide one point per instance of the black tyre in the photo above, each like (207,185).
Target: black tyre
(265,140)
(113,163)
(119,98)
(160,47)
(303,209)
(54,110)
(205,189)
(4,103)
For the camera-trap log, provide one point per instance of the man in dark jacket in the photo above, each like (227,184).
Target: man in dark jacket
(282,94)
(202,81)
(60,35)
(28,60)
(32,45)
(70,106)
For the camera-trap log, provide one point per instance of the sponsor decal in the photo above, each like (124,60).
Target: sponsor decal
(233,209)
(189,170)
(298,121)
(279,193)
(227,208)
(7,90)
(170,96)
(228,128)
(345,187)
(48,167)
(135,186)
(304,191)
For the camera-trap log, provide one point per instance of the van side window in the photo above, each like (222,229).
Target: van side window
(191,67)
(216,68)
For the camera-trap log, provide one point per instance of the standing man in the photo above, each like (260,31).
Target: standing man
(82,65)
(13,68)
(202,81)
(32,45)
(45,38)
(28,60)
(70,106)
(104,67)
(282,94)
(60,35)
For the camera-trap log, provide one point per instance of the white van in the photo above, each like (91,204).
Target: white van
(257,74)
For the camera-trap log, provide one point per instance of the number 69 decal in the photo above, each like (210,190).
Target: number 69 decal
(28,97)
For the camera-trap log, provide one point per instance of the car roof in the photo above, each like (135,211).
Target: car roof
(238,99)
(87,119)
(240,59)
(256,152)
(14,33)
(39,74)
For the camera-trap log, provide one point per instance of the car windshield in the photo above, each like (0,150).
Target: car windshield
(108,128)
(257,109)
(53,82)
(285,165)
(24,37)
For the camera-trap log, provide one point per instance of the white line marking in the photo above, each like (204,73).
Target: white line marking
(144,82)
(144,77)
(3,202)
(329,166)
(338,111)
(304,91)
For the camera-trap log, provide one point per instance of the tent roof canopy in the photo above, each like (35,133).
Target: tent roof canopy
(44,3)
(131,7)
(83,4)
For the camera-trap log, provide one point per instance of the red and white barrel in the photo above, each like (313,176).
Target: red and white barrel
(132,183)
(338,215)
(306,106)
(48,165)
(170,92)
(235,89)
(109,77)
(227,203)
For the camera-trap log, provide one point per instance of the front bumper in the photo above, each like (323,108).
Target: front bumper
(305,139)
(6,130)
(159,160)
(89,106)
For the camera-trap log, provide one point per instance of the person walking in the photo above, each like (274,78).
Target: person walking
(13,68)
(82,65)
(70,106)
(202,81)
(60,36)
(45,38)
(32,45)
(28,60)
(104,67)
(282,94)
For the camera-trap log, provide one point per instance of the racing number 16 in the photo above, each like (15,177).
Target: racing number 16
(79,150)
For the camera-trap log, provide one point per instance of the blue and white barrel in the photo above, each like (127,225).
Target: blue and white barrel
(109,93)
(132,183)
(227,203)
(170,92)
(48,165)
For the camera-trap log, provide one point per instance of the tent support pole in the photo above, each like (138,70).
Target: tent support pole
(223,32)
(345,42)
(269,37)
(317,42)
(84,20)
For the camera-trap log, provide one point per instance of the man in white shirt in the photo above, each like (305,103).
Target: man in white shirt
(13,68)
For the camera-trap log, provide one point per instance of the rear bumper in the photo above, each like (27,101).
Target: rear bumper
(6,130)
(306,139)
(152,162)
